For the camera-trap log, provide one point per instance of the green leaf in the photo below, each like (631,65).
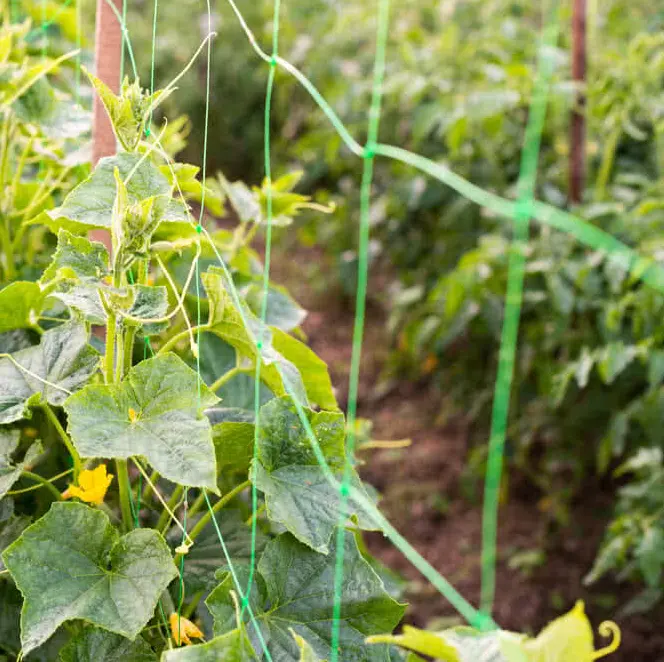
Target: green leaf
(230,647)
(282,310)
(126,125)
(90,204)
(63,362)
(233,445)
(77,257)
(313,369)
(10,530)
(650,555)
(297,493)
(206,556)
(10,618)
(72,564)
(294,592)
(306,651)
(10,471)
(156,411)
(95,645)
(20,305)
(226,321)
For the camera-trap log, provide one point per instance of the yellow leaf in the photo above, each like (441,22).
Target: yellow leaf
(420,641)
(183,630)
(92,485)
(567,639)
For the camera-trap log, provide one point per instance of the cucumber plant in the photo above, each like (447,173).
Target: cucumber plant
(124,546)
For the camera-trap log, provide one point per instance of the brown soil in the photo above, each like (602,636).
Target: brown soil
(422,495)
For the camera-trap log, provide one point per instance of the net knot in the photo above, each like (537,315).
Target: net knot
(259,345)
(244,602)
(344,490)
(199,228)
(147,131)
(483,622)
(273,61)
(369,150)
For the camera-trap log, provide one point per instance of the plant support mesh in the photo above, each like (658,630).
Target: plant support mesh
(518,213)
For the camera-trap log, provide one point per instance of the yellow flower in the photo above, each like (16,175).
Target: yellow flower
(92,485)
(183,630)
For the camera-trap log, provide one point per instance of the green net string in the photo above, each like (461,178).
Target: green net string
(513,301)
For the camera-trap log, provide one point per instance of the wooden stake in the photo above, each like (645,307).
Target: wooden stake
(108,51)
(577,154)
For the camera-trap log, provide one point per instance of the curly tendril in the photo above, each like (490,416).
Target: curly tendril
(608,629)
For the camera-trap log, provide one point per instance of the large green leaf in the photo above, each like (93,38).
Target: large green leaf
(72,564)
(230,647)
(61,363)
(156,411)
(77,257)
(294,592)
(20,305)
(96,645)
(298,495)
(90,204)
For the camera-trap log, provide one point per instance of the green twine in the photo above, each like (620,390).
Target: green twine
(360,311)
(510,330)
(265,287)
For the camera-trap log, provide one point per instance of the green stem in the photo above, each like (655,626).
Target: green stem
(165,518)
(32,488)
(147,492)
(109,354)
(189,609)
(43,483)
(227,376)
(169,344)
(128,349)
(606,166)
(124,486)
(76,458)
(205,520)
(197,505)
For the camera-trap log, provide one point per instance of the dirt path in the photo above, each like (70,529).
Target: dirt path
(539,575)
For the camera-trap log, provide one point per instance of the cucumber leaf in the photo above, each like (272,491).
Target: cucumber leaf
(96,645)
(20,305)
(230,647)
(156,411)
(63,362)
(72,564)
(294,592)
(297,492)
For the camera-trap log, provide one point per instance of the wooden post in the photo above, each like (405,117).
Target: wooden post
(108,51)
(577,154)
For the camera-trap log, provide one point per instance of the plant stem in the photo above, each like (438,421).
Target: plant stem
(128,350)
(76,458)
(204,521)
(226,377)
(147,492)
(40,484)
(197,505)
(606,166)
(124,486)
(169,344)
(43,483)
(165,518)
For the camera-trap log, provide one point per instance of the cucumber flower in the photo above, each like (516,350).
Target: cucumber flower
(92,486)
